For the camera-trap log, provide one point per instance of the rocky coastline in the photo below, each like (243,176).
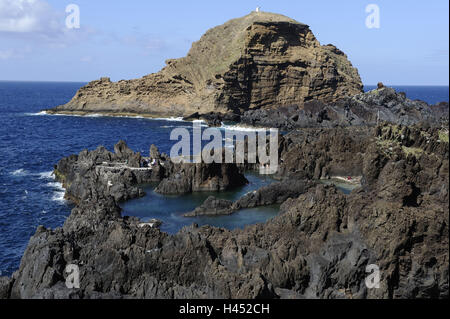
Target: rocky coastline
(262,70)
(317,247)
(383,104)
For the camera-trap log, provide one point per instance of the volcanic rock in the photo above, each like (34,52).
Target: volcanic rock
(371,108)
(198,177)
(317,247)
(261,60)
(212,206)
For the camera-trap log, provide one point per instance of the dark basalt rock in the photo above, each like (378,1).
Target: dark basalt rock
(275,193)
(100,173)
(198,177)
(154,152)
(212,206)
(370,108)
(322,153)
(317,247)
(5,287)
(213,118)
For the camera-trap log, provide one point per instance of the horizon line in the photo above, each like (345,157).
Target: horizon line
(63,81)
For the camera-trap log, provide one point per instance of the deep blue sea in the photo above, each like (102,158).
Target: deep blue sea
(31,143)
(429,94)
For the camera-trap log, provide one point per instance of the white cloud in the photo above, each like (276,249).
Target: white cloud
(40,27)
(14,53)
(87,59)
(6,54)
(36,26)
(147,42)
(29,16)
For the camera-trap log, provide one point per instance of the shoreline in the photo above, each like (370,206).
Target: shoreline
(318,221)
(112,114)
(223,126)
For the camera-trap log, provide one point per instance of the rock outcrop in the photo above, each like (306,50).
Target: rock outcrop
(212,206)
(317,247)
(275,193)
(100,174)
(5,287)
(262,60)
(200,177)
(371,108)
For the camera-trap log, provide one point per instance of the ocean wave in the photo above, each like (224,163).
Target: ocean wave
(37,114)
(58,194)
(106,115)
(55,185)
(41,113)
(58,197)
(20,172)
(170,119)
(59,191)
(46,175)
(175,126)
(241,128)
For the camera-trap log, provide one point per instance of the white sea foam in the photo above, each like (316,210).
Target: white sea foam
(41,113)
(59,191)
(58,197)
(37,114)
(46,175)
(19,172)
(170,119)
(240,128)
(175,126)
(55,185)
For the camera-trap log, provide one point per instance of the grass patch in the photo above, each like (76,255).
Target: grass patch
(415,151)
(443,136)
(385,144)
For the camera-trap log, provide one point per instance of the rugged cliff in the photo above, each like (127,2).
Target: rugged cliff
(317,247)
(370,108)
(262,60)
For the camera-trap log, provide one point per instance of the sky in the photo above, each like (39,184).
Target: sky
(129,39)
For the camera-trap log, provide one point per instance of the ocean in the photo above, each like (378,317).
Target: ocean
(429,94)
(31,143)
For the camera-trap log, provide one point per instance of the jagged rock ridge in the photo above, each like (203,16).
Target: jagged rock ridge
(261,60)
(317,247)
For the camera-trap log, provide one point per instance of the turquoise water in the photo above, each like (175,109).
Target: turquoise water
(170,209)
(345,188)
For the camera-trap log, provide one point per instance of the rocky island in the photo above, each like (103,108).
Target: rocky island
(262,60)
(261,70)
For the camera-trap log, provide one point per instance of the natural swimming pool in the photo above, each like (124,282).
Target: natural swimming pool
(170,209)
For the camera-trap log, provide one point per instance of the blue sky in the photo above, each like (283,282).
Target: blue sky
(129,39)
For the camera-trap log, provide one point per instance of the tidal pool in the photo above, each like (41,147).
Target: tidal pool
(344,187)
(170,209)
